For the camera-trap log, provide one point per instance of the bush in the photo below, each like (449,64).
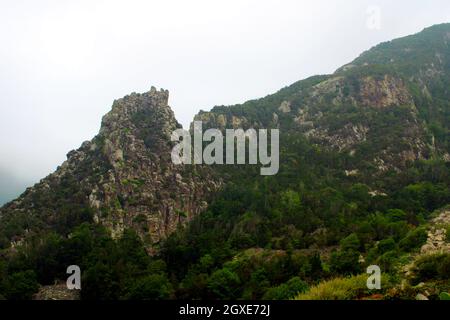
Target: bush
(287,290)
(337,289)
(444,268)
(193,286)
(386,245)
(224,284)
(444,296)
(21,285)
(100,283)
(396,215)
(432,267)
(387,260)
(350,243)
(152,287)
(345,262)
(414,239)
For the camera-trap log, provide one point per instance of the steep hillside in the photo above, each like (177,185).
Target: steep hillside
(388,107)
(364,170)
(123,178)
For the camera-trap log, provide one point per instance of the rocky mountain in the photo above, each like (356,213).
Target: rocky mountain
(388,108)
(364,179)
(123,178)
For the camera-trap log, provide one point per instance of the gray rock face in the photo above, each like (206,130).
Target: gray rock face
(437,237)
(125,176)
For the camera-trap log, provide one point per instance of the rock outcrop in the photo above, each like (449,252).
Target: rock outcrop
(437,241)
(124,177)
(57,291)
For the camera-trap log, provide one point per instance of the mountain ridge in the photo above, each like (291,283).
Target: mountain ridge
(344,111)
(364,180)
(373,80)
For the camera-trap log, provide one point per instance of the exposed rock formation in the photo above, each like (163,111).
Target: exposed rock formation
(57,292)
(124,176)
(385,92)
(437,240)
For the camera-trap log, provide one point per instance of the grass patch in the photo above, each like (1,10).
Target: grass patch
(351,288)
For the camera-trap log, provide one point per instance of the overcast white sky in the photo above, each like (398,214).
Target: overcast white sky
(62,63)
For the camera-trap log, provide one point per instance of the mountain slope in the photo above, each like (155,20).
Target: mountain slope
(364,167)
(123,178)
(388,107)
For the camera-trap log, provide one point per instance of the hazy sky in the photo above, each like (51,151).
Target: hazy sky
(62,63)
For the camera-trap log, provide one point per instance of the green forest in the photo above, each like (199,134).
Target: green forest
(262,238)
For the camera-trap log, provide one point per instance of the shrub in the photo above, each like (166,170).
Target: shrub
(350,243)
(152,287)
(100,283)
(345,262)
(444,296)
(396,215)
(434,266)
(386,245)
(21,285)
(414,239)
(386,260)
(224,284)
(286,290)
(337,289)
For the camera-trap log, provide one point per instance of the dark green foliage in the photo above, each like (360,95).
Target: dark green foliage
(414,239)
(350,243)
(265,237)
(287,290)
(110,269)
(345,262)
(20,285)
(444,296)
(307,204)
(151,287)
(386,245)
(224,284)
(100,282)
(436,266)
(346,259)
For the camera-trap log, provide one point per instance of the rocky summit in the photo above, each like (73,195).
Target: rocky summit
(123,178)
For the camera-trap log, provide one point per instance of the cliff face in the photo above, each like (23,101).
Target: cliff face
(123,178)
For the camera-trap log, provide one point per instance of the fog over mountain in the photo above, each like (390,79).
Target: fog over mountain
(10,186)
